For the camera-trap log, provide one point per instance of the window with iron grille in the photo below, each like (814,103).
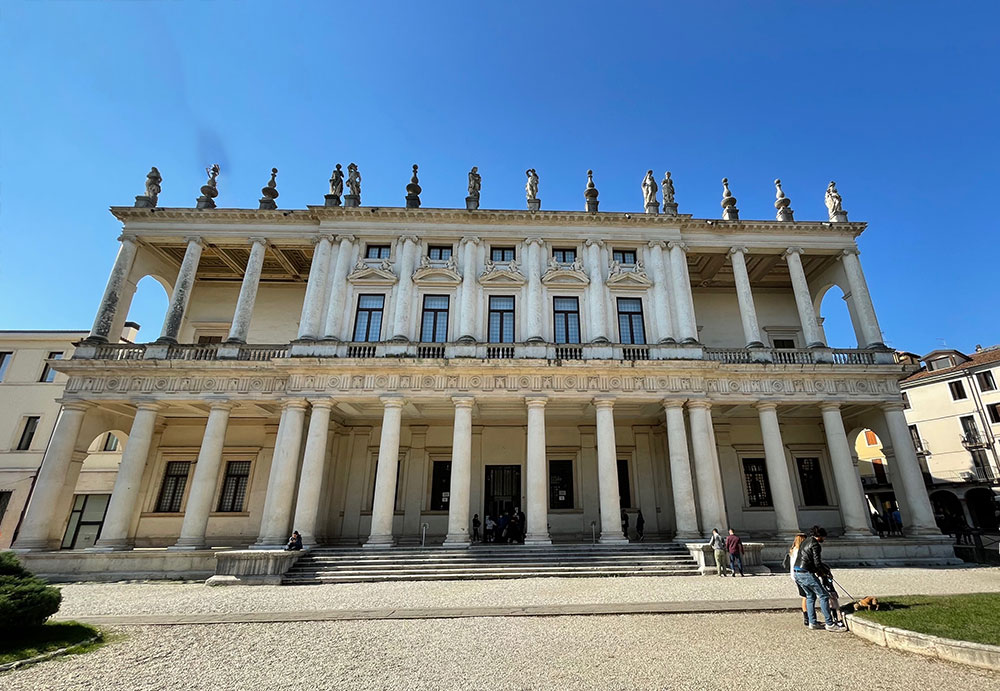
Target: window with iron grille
(566,317)
(49,374)
(28,432)
(377,252)
(434,325)
(368,322)
(501,319)
(630,323)
(623,256)
(561,484)
(439,252)
(172,490)
(811,479)
(110,443)
(234,486)
(757,489)
(440,485)
(564,255)
(502,254)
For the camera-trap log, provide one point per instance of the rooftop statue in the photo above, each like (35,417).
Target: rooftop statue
(649,189)
(475,182)
(531,188)
(354,179)
(668,188)
(212,183)
(270,192)
(782,203)
(834,202)
(153,181)
(337,181)
(729,210)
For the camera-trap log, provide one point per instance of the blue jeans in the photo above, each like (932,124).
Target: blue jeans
(736,563)
(813,589)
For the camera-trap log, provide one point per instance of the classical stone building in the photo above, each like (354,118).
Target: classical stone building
(364,374)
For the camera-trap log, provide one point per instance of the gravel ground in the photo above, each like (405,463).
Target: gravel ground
(769,651)
(196,598)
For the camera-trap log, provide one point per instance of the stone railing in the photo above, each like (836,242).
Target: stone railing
(195,351)
(256,353)
(119,351)
(705,556)
(252,567)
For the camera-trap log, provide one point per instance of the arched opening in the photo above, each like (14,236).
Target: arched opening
(833,312)
(147,309)
(982,508)
(873,469)
(92,492)
(948,512)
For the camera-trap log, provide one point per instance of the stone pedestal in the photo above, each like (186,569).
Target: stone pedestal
(352,200)
(785,214)
(265,203)
(534,204)
(471,203)
(731,213)
(669,209)
(331,200)
(839,217)
(822,354)
(413,201)
(653,208)
(144,202)
(592,205)
(205,202)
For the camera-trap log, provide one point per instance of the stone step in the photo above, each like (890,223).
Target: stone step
(533,569)
(325,578)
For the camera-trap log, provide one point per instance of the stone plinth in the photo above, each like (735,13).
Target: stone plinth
(331,200)
(653,208)
(144,202)
(146,564)
(534,204)
(592,205)
(874,551)
(839,217)
(265,203)
(669,209)
(471,203)
(252,567)
(413,201)
(352,200)
(705,556)
(205,202)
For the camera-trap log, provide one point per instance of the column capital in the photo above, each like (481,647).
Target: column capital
(673,244)
(850,250)
(893,406)
(197,239)
(220,404)
(738,248)
(673,402)
(470,239)
(699,403)
(593,241)
(792,250)
(765,405)
(320,237)
(604,401)
(662,244)
(151,405)
(347,237)
(534,241)
(829,405)
(392,401)
(409,238)
(536,401)
(256,240)
(327,403)
(128,237)
(293,404)
(463,401)
(81,406)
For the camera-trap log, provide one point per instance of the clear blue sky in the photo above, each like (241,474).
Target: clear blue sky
(897,102)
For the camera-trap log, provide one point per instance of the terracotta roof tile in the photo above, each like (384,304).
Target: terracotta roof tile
(983,357)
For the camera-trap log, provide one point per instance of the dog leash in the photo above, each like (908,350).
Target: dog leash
(837,583)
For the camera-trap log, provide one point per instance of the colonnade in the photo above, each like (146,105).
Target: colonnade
(672,303)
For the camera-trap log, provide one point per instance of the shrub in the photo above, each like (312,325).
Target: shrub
(10,566)
(25,601)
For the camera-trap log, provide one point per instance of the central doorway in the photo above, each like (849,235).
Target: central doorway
(503,489)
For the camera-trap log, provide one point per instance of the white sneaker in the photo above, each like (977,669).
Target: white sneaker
(834,627)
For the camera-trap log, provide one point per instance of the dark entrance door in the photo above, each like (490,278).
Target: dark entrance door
(503,489)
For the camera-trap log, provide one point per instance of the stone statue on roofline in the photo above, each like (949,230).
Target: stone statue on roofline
(148,200)
(531,187)
(667,188)
(337,181)
(475,182)
(210,190)
(649,189)
(270,192)
(834,204)
(353,185)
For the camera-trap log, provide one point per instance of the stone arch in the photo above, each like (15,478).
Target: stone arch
(146,306)
(835,314)
(947,510)
(982,508)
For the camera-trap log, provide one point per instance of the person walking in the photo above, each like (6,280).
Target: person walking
(808,565)
(734,546)
(640,527)
(491,527)
(718,546)
(625,524)
(475,527)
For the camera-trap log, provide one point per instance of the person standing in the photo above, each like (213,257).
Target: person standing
(718,546)
(640,526)
(625,524)
(475,528)
(789,563)
(488,536)
(808,565)
(734,546)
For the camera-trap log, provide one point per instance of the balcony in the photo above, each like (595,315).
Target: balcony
(972,439)
(974,475)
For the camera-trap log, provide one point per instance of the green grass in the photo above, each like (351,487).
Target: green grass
(974,618)
(46,638)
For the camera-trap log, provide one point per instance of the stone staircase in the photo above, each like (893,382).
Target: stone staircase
(357,565)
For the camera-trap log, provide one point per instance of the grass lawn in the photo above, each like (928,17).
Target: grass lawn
(973,618)
(46,638)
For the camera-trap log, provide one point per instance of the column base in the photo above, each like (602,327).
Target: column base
(612,540)
(379,542)
(857,535)
(110,546)
(787,534)
(687,536)
(457,541)
(922,532)
(35,546)
(188,544)
(539,540)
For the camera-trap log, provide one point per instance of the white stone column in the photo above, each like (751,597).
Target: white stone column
(607,474)
(37,525)
(118,518)
(666,332)
(107,312)
(533,269)
(313,464)
(685,510)
(316,289)
(338,288)
(711,504)
(537,474)
(248,292)
(803,300)
(383,505)
(461,473)
(785,511)
(182,292)
(406,261)
(274,530)
(916,511)
(748,312)
(853,508)
(862,300)
(598,313)
(687,325)
(467,325)
(206,477)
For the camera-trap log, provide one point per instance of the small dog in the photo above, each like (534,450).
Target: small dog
(869,603)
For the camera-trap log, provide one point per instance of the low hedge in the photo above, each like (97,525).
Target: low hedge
(25,601)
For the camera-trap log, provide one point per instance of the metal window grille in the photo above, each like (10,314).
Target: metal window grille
(172,490)
(234,486)
(757,489)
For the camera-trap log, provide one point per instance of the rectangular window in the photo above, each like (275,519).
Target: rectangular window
(209,338)
(811,479)
(784,343)
(630,325)
(623,256)
(624,486)
(368,323)
(871,438)
(440,485)
(906,401)
(970,433)
(434,325)
(172,490)
(994,411)
(377,252)
(560,484)
(986,382)
(439,252)
(564,255)
(28,432)
(4,503)
(502,254)
(915,438)
(566,315)
(757,489)
(49,374)
(110,443)
(880,475)
(957,390)
(4,361)
(501,319)
(234,487)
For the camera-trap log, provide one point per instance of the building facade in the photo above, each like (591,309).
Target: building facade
(371,375)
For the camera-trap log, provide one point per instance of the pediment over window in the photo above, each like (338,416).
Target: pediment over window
(565,277)
(629,280)
(436,275)
(502,277)
(371,276)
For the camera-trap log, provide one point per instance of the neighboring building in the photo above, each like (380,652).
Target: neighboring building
(873,467)
(953,412)
(357,372)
